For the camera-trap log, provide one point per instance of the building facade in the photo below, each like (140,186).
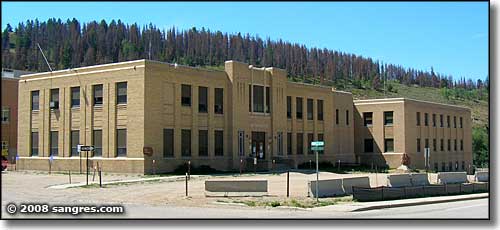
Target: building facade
(223,119)
(385,129)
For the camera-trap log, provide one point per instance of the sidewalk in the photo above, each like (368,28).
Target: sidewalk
(364,206)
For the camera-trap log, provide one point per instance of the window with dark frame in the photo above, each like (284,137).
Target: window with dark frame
(258,99)
(289,143)
(440,120)
(388,118)
(418,145)
(461,145)
(389,145)
(454,121)
(35,100)
(219,101)
(449,144)
(441,148)
(121,93)
(280,143)
(121,142)
(219,142)
(289,107)
(310,109)
(455,145)
(300,144)
(434,145)
(426,119)
(241,143)
(250,98)
(97,142)
(418,118)
(433,120)
(185,95)
(54,143)
(298,107)
(34,144)
(461,123)
(310,138)
(54,99)
(368,118)
(168,143)
(202,99)
(186,142)
(337,116)
(347,117)
(320,110)
(98,95)
(202,142)
(268,99)
(426,143)
(448,121)
(75,97)
(75,141)
(5,115)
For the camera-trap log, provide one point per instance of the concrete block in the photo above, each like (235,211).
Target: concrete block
(467,188)
(327,188)
(451,177)
(412,192)
(389,193)
(348,183)
(236,186)
(398,180)
(368,194)
(434,190)
(419,179)
(480,187)
(452,189)
(482,176)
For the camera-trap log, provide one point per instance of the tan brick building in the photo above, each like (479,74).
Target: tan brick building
(387,128)
(223,119)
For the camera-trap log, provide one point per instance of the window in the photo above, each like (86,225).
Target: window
(426,119)
(75,97)
(442,145)
(258,98)
(463,165)
(121,142)
(203,143)
(54,147)
(368,118)
(35,100)
(426,143)
(268,100)
(97,142)
(241,143)
(448,120)
(455,145)
(436,167)
(34,143)
(310,138)
(280,143)
(186,142)
(337,116)
(121,93)
(321,137)
(54,99)
(168,142)
(5,115)
(449,145)
(185,95)
(219,143)
(433,120)
(434,145)
(288,107)
(443,166)
(389,145)
(219,101)
(320,110)
(461,123)
(289,143)
(418,118)
(418,145)
(388,118)
(440,120)
(347,117)
(310,109)
(300,144)
(98,95)
(454,121)
(75,140)
(450,166)
(368,145)
(298,107)
(250,98)
(202,99)
(461,145)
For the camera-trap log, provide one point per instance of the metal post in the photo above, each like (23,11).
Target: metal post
(69,176)
(317,177)
(186,184)
(50,166)
(154,168)
(241,163)
(87,167)
(288,183)
(189,170)
(80,154)
(100,176)
(339,165)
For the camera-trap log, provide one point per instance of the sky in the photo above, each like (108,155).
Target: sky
(451,37)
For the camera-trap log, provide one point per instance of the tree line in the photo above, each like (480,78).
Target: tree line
(73,44)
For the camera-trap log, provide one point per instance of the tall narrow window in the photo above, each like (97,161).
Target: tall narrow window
(203,143)
(250,98)
(433,120)
(241,143)
(440,120)
(347,117)
(289,107)
(320,110)
(298,107)
(434,145)
(75,140)
(462,145)
(219,101)
(454,121)
(202,99)
(449,144)
(310,138)
(121,93)
(121,142)
(258,98)
(5,115)
(268,100)
(461,123)
(455,145)
(368,118)
(219,142)
(300,144)
(388,118)
(75,97)
(34,144)
(448,121)
(418,145)
(426,119)
(280,143)
(310,109)
(441,146)
(288,143)
(97,142)
(35,100)
(426,143)
(418,118)
(54,99)
(185,95)
(98,95)
(54,143)
(186,142)
(337,116)
(368,144)
(168,143)
(389,145)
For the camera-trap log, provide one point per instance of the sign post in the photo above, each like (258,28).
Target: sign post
(317,146)
(85,148)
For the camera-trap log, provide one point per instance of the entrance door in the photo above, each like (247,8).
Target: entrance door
(259,144)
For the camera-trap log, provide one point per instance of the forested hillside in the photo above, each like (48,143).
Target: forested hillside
(69,44)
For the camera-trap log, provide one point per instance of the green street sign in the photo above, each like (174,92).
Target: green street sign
(318,143)
(317,148)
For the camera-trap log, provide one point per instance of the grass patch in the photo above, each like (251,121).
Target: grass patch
(305,203)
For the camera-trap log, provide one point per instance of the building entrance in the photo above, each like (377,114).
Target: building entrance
(259,144)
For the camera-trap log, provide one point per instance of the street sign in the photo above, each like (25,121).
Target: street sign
(317,148)
(82,148)
(317,143)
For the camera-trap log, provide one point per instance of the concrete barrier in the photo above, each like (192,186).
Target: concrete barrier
(434,190)
(419,179)
(327,188)
(467,188)
(453,189)
(480,187)
(398,180)
(451,177)
(367,194)
(348,183)
(389,193)
(413,192)
(482,176)
(236,186)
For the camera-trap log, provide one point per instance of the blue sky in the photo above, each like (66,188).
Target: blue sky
(450,36)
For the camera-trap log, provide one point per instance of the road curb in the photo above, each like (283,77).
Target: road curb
(415,203)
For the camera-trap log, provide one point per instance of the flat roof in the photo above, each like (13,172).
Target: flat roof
(404,99)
